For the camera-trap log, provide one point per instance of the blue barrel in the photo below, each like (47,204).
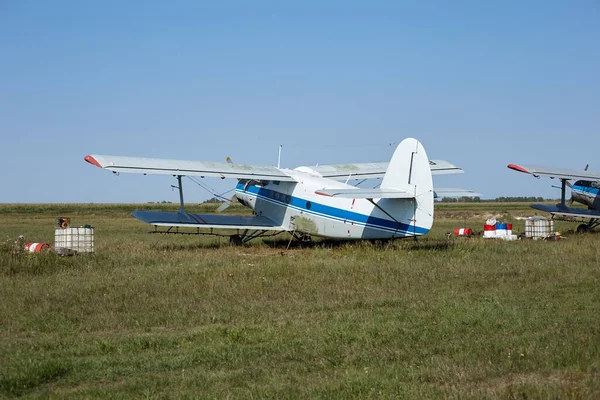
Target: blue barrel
(501,230)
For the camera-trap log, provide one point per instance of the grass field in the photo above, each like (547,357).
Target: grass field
(158,316)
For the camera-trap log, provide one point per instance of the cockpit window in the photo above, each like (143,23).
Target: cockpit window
(590,184)
(254,182)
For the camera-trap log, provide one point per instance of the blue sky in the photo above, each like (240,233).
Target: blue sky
(482,84)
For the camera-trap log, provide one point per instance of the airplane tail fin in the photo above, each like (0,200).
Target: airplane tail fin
(409,171)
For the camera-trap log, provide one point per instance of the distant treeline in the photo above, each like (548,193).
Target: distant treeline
(465,199)
(213,200)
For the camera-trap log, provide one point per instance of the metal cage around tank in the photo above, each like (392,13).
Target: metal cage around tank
(74,240)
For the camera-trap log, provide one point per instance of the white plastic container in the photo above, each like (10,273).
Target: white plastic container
(501,230)
(74,240)
(489,230)
(539,227)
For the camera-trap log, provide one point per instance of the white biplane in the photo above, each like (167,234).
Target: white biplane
(307,201)
(585,190)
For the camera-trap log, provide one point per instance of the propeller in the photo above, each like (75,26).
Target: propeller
(569,202)
(226,204)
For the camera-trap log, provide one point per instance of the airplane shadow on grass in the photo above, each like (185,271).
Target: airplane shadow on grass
(283,244)
(286,244)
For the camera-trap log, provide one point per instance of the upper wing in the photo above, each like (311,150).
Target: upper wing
(139,165)
(567,211)
(162,218)
(377,170)
(556,172)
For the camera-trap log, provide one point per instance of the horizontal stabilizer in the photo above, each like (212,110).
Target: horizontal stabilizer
(138,165)
(356,193)
(162,218)
(445,192)
(567,211)
(377,170)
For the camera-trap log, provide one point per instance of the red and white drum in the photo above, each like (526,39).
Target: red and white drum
(36,247)
(463,232)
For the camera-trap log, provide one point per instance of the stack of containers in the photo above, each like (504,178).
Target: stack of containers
(495,229)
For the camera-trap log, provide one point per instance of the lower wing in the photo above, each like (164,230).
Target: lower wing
(567,211)
(181,219)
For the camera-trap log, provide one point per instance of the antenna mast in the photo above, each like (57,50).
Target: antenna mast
(279,157)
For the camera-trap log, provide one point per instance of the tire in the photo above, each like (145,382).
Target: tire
(583,228)
(235,240)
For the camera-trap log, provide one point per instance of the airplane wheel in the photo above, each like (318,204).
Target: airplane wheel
(583,228)
(235,240)
(306,238)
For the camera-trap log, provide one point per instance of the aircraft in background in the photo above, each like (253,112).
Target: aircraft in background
(306,201)
(584,191)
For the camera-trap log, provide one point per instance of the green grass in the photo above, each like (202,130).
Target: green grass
(178,316)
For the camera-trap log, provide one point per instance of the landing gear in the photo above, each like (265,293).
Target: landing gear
(583,228)
(246,236)
(235,240)
(305,238)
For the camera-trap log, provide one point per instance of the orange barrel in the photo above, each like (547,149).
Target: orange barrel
(36,247)
(489,230)
(509,229)
(463,232)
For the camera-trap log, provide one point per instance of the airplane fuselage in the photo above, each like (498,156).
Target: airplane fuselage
(299,209)
(587,193)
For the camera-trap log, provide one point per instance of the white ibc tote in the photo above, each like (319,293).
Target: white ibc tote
(70,240)
(539,227)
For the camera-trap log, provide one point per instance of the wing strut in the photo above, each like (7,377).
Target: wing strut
(562,191)
(180,187)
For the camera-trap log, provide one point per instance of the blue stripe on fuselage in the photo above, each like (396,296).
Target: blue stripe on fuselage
(586,189)
(332,212)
